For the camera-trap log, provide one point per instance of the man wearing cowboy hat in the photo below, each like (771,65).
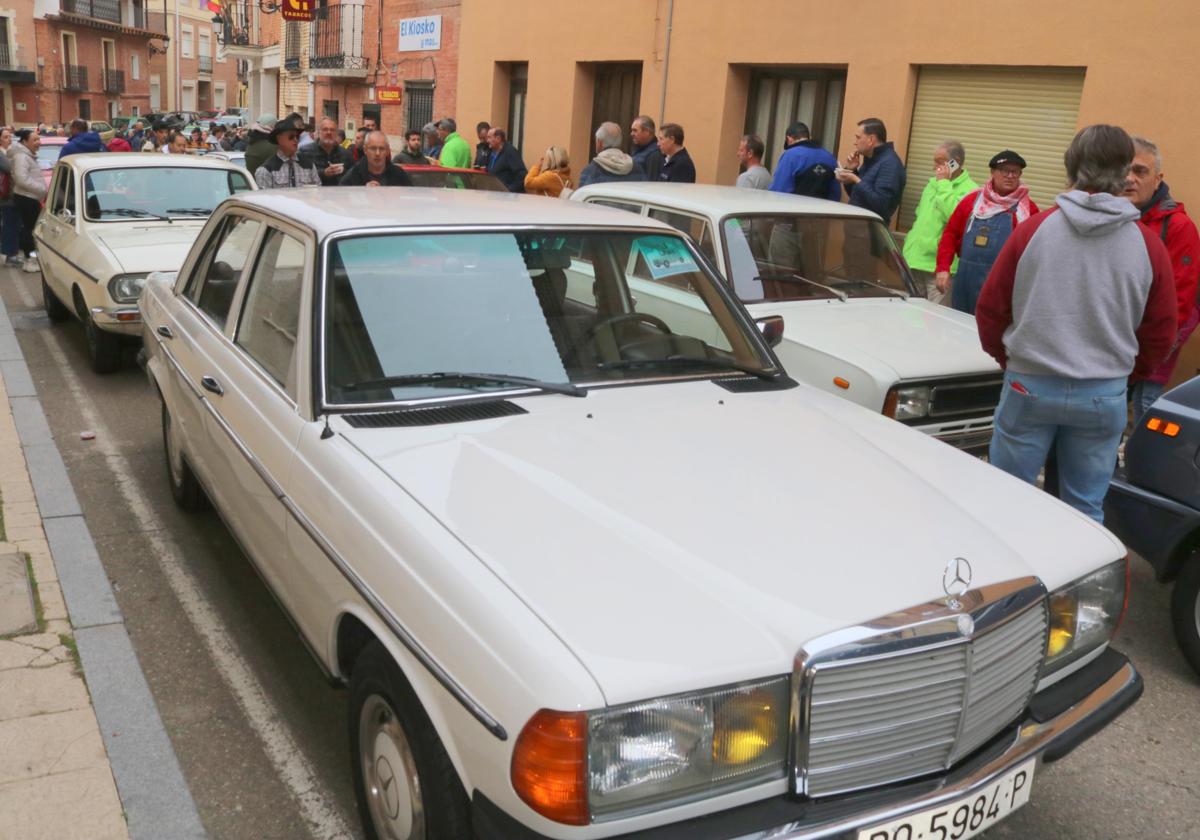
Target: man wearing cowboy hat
(286,169)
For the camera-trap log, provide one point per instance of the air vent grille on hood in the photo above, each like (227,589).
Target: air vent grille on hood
(435,415)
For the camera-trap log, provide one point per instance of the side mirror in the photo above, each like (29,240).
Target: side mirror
(771,328)
(66,216)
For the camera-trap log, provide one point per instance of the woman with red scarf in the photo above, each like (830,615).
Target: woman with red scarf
(979,227)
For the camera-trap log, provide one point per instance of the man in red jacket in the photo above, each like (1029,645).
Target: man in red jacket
(1079,299)
(1167,220)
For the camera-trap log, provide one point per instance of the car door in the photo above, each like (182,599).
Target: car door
(57,228)
(250,382)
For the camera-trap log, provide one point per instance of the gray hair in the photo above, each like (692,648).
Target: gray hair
(429,129)
(447,124)
(955,150)
(1098,159)
(609,135)
(1141,144)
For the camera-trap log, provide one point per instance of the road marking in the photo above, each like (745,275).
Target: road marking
(325,819)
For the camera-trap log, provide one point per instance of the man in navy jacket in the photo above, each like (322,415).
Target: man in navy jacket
(874,175)
(505,161)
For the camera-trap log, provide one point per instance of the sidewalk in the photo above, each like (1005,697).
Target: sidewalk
(83,752)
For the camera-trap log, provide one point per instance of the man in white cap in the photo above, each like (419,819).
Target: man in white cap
(260,146)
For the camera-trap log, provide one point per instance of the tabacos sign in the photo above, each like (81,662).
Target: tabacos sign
(421,33)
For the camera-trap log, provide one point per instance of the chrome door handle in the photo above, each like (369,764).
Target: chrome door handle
(165,331)
(210,384)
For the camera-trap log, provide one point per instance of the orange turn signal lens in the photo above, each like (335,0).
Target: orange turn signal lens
(1171,430)
(1154,424)
(549,766)
(841,383)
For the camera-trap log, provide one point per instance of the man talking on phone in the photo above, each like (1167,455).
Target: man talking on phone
(950,182)
(873,175)
(327,154)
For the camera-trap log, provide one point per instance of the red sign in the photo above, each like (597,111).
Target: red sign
(296,10)
(388,94)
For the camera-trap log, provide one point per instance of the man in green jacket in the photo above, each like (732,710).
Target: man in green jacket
(950,182)
(456,152)
(261,147)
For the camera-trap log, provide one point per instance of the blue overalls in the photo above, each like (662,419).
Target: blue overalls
(981,245)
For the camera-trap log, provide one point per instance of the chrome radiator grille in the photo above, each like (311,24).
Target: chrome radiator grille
(876,720)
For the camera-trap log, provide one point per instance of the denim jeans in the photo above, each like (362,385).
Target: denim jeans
(1084,418)
(1142,395)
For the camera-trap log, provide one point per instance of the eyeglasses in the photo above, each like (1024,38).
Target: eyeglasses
(1009,173)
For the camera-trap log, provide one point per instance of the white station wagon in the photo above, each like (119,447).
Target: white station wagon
(856,325)
(110,219)
(594,572)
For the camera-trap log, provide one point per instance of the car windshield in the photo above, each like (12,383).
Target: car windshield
(456,180)
(402,311)
(802,257)
(156,191)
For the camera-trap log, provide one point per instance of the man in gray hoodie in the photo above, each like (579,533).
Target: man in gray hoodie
(1080,298)
(610,163)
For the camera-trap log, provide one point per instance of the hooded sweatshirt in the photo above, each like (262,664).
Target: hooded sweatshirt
(84,141)
(1081,291)
(611,165)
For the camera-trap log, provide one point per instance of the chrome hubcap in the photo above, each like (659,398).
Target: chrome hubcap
(393,787)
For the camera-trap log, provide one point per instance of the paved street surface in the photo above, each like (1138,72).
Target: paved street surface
(261,736)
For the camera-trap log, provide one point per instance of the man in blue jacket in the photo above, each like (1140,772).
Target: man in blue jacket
(874,175)
(81,140)
(805,168)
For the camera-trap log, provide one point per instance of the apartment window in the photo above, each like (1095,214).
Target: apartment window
(85,109)
(186,47)
(7,55)
(135,66)
(329,108)
(155,94)
(205,44)
(135,110)
(418,103)
(779,97)
(291,45)
(518,92)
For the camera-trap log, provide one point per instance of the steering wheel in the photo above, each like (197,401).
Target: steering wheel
(642,317)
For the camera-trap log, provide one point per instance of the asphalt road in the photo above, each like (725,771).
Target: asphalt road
(261,736)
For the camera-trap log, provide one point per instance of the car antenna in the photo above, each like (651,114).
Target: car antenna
(327,432)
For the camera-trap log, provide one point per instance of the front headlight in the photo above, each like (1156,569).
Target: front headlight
(656,752)
(909,402)
(125,288)
(1084,615)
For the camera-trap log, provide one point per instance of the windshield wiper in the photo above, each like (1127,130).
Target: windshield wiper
(448,377)
(134,213)
(880,286)
(690,361)
(796,278)
(191,211)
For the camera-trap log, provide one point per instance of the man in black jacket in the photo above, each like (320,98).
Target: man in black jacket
(873,176)
(482,150)
(677,164)
(327,154)
(505,161)
(376,168)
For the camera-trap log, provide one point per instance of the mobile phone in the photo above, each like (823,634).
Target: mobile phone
(952,165)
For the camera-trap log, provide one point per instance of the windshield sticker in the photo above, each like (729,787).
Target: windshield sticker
(666,256)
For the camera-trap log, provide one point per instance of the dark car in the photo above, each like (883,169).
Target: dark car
(1153,504)
(453,179)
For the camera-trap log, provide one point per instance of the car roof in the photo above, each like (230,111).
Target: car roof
(329,210)
(128,160)
(713,200)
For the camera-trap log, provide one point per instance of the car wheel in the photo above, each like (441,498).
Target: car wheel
(55,310)
(406,786)
(104,348)
(1185,611)
(185,488)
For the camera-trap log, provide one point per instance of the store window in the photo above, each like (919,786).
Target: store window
(781,96)
(418,104)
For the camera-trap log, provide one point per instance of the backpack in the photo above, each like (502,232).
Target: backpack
(814,181)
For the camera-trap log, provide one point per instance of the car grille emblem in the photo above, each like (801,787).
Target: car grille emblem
(956,580)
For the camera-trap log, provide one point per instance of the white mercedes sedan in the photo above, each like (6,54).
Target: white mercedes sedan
(591,571)
(112,218)
(857,325)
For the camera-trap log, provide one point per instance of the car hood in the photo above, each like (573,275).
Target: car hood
(679,536)
(159,246)
(913,338)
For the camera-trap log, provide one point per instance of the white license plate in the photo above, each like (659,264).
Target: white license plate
(964,817)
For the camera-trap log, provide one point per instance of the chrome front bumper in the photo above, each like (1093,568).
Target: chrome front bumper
(126,320)
(974,435)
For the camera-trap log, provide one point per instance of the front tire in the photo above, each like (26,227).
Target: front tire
(185,488)
(406,786)
(104,348)
(55,310)
(1185,611)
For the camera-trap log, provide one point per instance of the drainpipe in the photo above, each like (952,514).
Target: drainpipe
(662,104)
(178,76)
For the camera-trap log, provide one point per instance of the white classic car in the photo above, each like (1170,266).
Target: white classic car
(856,325)
(109,220)
(594,572)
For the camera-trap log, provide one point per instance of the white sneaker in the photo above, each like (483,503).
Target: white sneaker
(31,265)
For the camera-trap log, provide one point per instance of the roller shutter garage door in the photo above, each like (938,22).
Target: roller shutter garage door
(1032,110)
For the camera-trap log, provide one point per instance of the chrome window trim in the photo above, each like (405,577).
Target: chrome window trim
(317,348)
(927,626)
(406,638)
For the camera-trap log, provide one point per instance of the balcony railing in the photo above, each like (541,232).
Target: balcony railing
(206,64)
(75,77)
(109,10)
(336,41)
(114,81)
(244,29)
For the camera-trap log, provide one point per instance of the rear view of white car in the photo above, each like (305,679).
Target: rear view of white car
(855,325)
